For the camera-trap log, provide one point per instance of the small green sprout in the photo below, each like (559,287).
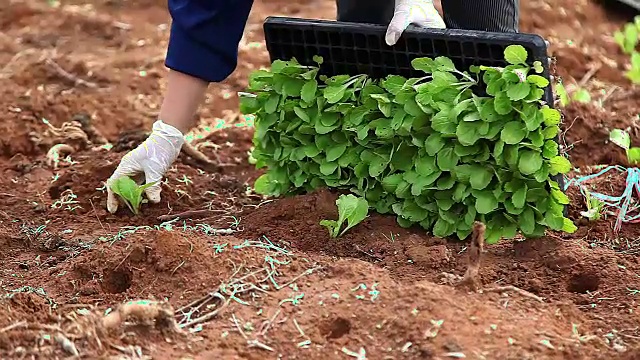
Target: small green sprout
(350,208)
(130,192)
(622,139)
(594,207)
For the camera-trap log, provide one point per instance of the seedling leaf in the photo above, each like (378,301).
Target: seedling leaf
(350,208)
(130,192)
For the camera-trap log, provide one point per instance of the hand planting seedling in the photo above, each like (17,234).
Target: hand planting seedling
(427,149)
(350,208)
(130,192)
(622,139)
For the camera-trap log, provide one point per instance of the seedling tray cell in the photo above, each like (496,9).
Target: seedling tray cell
(354,48)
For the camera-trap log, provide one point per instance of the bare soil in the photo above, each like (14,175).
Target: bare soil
(266,276)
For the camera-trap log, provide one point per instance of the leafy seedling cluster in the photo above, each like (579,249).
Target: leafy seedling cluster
(351,209)
(130,192)
(627,38)
(622,139)
(426,149)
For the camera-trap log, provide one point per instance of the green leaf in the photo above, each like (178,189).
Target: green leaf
(447,159)
(502,103)
(513,132)
(550,149)
(633,155)
(486,202)
(582,96)
(334,93)
(377,166)
(518,91)
(353,209)
(271,104)
(620,138)
(530,162)
(554,221)
(468,133)
(332,226)
(328,168)
(515,54)
(551,116)
(336,151)
(527,221)
(130,192)
(308,92)
(426,165)
(481,177)
(519,197)
(568,226)
(559,165)
(433,144)
(538,81)
(563,97)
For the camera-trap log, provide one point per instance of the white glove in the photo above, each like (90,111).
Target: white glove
(417,12)
(152,158)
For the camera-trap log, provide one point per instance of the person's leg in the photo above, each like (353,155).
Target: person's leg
(365,11)
(486,15)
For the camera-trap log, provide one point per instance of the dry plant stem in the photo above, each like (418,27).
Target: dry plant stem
(514,289)
(592,71)
(19,324)
(224,303)
(198,160)
(471,277)
(66,344)
(189,214)
(62,72)
(197,155)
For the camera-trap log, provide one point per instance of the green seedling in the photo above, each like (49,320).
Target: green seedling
(580,95)
(427,149)
(627,38)
(350,208)
(622,139)
(595,207)
(130,192)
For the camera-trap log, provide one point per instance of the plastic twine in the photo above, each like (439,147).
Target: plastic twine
(624,204)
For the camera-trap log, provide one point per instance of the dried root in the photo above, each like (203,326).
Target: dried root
(57,152)
(72,136)
(144,311)
(471,277)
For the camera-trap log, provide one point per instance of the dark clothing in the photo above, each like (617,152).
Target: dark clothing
(485,15)
(205,33)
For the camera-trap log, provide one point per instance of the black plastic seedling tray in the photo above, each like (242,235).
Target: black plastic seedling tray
(354,48)
(633,3)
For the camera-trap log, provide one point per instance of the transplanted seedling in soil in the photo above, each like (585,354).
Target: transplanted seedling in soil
(594,207)
(350,208)
(622,139)
(130,192)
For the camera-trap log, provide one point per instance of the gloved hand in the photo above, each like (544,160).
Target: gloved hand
(417,12)
(152,158)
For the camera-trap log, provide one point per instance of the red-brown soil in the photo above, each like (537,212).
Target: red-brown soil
(287,289)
